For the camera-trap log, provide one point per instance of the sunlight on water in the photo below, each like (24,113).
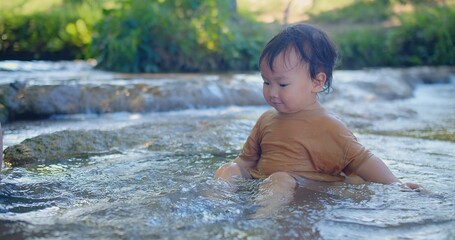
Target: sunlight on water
(173,196)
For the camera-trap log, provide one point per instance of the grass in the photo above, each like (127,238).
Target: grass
(265,11)
(28,6)
(274,10)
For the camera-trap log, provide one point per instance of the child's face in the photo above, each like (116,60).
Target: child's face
(289,88)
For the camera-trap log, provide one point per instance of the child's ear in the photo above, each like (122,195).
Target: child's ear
(319,82)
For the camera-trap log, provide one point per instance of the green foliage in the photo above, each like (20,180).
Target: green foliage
(362,48)
(33,34)
(180,35)
(209,35)
(62,32)
(425,36)
(360,11)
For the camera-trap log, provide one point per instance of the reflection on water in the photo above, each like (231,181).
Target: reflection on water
(168,192)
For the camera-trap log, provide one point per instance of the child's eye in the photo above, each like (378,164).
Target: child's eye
(266,83)
(284,85)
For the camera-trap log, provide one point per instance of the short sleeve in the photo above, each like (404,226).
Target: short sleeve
(251,150)
(356,155)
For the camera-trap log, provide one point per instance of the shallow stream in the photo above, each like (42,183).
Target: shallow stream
(163,188)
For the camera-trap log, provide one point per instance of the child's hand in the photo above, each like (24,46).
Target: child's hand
(412,187)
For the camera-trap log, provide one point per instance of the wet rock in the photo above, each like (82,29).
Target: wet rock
(13,229)
(3,113)
(62,145)
(383,84)
(429,75)
(3,109)
(40,101)
(69,144)
(31,97)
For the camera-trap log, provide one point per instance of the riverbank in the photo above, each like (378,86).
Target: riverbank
(138,37)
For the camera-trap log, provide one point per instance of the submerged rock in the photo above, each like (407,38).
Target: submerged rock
(62,145)
(69,144)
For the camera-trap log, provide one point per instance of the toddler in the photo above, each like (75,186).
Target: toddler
(298,142)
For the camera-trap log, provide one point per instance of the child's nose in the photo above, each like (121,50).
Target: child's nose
(273,92)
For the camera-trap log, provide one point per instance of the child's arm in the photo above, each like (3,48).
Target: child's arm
(375,170)
(245,164)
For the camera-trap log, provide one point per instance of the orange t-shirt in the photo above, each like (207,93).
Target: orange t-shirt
(310,143)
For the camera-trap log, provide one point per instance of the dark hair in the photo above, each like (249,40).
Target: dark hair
(312,44)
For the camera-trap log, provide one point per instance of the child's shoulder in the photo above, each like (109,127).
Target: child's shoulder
(269,113)
(332,121)
(318,116)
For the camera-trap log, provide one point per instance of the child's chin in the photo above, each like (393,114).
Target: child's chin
(278,108)
(282,111)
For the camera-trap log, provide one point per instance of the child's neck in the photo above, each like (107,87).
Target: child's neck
(313,106)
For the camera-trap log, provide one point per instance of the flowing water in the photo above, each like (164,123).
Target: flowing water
(163,188)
